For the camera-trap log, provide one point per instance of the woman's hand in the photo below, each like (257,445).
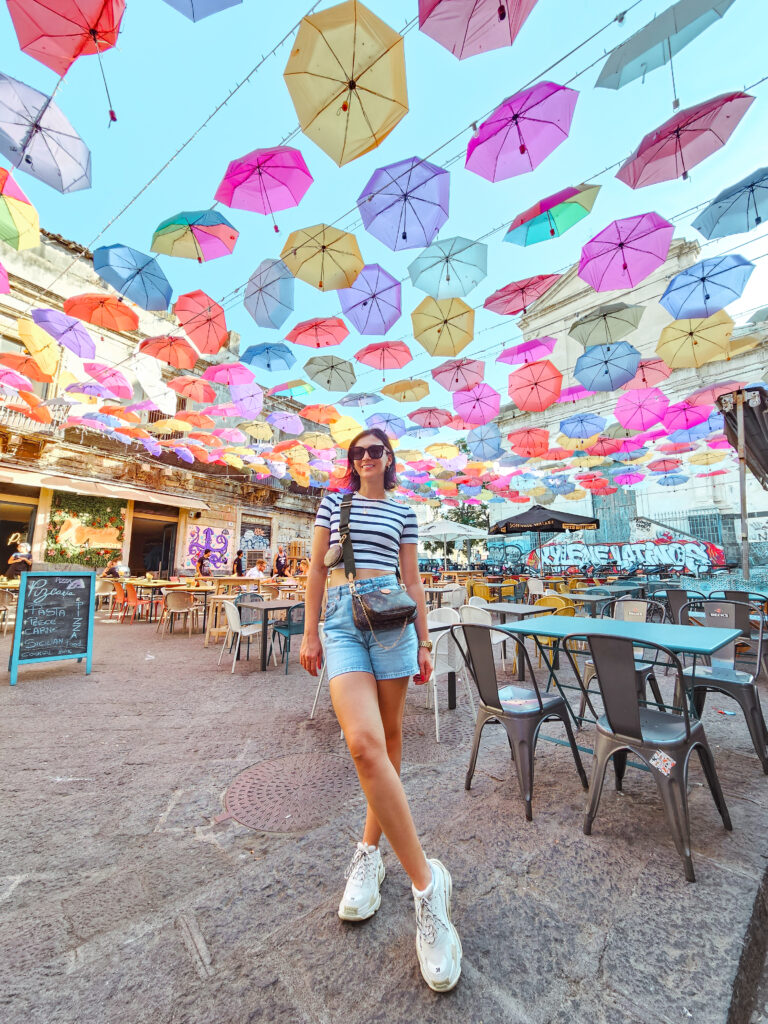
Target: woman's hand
(311,656)
(425,667)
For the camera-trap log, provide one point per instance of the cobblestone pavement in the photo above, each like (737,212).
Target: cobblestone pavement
(127,894)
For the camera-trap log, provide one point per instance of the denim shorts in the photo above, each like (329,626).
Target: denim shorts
(349,649)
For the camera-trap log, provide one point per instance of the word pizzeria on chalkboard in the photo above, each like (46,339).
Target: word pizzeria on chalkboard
(54,620)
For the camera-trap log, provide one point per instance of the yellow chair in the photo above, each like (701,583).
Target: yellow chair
(481,590)
(561,606)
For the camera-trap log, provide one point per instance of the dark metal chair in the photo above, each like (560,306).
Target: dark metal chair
(292,626)
(722,676)
(662,741)
(521,710)
(676,598)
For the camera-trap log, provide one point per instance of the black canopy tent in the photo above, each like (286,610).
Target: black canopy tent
(544,520)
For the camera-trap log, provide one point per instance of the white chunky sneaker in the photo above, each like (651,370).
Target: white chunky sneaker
(364,875)
(438,946)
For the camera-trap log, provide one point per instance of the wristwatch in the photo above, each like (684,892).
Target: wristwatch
(426,644)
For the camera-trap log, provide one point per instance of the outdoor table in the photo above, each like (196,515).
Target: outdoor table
(616,589)
(436,592)
(266,608)
(582,598)
(519,611)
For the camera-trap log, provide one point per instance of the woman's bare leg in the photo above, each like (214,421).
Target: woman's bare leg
(355,699)
(392,694)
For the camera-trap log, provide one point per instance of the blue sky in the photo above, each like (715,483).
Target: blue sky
(168,74)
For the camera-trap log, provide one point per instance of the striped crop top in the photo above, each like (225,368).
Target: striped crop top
(377,528)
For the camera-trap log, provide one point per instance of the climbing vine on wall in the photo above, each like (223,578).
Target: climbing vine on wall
(84,529)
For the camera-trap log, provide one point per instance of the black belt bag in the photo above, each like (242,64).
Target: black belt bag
(387,608)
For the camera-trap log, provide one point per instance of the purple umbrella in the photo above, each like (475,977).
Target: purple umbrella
(197,9)
(393,426)
(88,388)
(527,351)
(288,422)
(372,304)
(67,330)
(574,393)
(152,446)
(626,252)
(248,398)
(522,131)
(405,204)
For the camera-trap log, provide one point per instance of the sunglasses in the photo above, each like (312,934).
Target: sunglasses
(357,452)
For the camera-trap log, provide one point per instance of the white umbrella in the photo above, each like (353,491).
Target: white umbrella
(446,529)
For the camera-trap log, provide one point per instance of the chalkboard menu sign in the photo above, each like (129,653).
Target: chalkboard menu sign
(54,619)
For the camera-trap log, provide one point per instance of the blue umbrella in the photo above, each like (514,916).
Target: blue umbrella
(105,418)
(510,460)
(607,367)
(671,480)
(450,267)
(738,208)
(393,426)
(197,9)
(134,274)
(405,204)
(485,441)
(268,356)
(583,424)
(635,453)
(706,287)
(418,431)
(359,400)
(269,294)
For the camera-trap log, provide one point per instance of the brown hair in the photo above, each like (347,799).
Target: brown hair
(351,480)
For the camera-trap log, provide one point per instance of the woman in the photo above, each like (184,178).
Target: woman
(368,683)
(20,561)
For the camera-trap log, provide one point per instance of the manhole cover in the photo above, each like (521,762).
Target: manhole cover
(419,745)
(294,793)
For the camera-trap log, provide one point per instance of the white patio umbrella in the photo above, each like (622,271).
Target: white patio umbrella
(446,529)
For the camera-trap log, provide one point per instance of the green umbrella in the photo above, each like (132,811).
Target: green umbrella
(607,324)
(330,372)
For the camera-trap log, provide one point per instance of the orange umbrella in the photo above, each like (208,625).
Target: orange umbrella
(171,349)
(320,413)
(136,432)
(120,413)
(194,388)
(105,311)
(25,365)
(535,386)
(210,439)
(197,419)
(203,320)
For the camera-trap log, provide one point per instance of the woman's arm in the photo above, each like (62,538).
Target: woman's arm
(409,571)
(311,649)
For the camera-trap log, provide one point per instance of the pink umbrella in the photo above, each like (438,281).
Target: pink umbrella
(110,378)
(683,141)
(518,295)
(384,355)
(640,409)
(710,394)
(664,465)
(535,386)
(478,405)
(527,351)
(605,446)
(676,448)
(12,379)
(627,479)
(231,435)
(469,27)
(203,320)
(5,286)
(430,417)
(683,416)
(265,180)
(228,373)
(574,393)
(522,131)
(220,411)
(626,252)
(320,332)
(650,372)
(719,442)
(459,374)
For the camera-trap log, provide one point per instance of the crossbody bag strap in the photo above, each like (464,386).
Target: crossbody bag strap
(344,537)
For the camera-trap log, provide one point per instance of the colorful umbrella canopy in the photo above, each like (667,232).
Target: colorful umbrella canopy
(5,286)
(320,413)
(522,131)
(607,367)
(345,428)
(392,426)
(443,326)
(269,356)
(67,330)
(330,372)
(385,355)
(707,286)
(10,378)
(405,204)
(738,208)
(625,252)
(36,137)
(269,294)
(459,374)
(518,295)
(288,422)
(485,443)
(581,425)
(203,320)
(134,274)
(694,342)
(265,181)
(527,351)
(323,256)
(195,10)
(110,378)
(479,404)
(650,372)
(607,324)
(292,388)
(683,141)
(450,268)
(171,349)
(320,332)
(346,77)
(470,27)
(574,393)
(57,35)
(406,390)
(641,408)
(193,388)
(372,303)
(553,216)
(19,223)
(710,394)
(200,235)
(105,311)
(535,386)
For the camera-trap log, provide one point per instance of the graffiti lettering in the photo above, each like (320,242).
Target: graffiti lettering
(683,554)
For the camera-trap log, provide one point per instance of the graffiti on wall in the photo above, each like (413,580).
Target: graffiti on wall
(202,538)
(691,555)
(255,536)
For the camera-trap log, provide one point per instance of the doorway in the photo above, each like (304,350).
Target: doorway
(14,519)
(153,545)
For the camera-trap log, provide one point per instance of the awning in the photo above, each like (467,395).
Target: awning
(100,488)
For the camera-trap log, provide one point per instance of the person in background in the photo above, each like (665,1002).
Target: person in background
(259,571)
(280,567)
(303,567)
(239,565)
(111,572)
(19,562)
(203,564)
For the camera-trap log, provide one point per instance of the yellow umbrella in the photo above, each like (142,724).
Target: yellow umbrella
(406,390)
(258,431)
(300,474)
(576,495)
(323,256)
(409,455)
(317,440)
(696,342)
(344,429)
(443,326)
(588,461)
(744,343)
(707,458)
(441,450)
(170,426)
(572,443)
(346,77)
(233,460)
(39,344)
(320,476)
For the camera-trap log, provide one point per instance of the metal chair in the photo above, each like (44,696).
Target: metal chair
(662,741)
(293,625)
(481,616)
(676,599)
(445,658)
(722,676)
(521,710)
(236,631)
